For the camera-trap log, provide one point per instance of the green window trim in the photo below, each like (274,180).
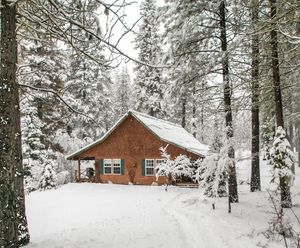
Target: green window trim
(143,167)
(122,166)
(101,167)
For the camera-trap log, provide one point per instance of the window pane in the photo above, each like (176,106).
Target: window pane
(149,171)
(149,163)
(107,166)
(117,161)
(107,162)
(117,170)
(149,166)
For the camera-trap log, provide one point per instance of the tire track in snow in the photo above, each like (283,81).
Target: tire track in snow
(196,230)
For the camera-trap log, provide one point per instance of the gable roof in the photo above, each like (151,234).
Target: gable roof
(166,131)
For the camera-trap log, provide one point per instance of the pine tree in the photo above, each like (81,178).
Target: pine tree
(12,205)
(148,83)
(286,200)
(283,161)
(88,87)
(255,169)
(88,83)
(33,149)
(122,92)
(48,178)
(211,175)
(232,181)
(43,66)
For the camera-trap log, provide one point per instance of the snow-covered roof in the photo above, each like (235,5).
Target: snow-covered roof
(167,131)
(171,133)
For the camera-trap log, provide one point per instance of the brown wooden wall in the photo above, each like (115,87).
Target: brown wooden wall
(132,142)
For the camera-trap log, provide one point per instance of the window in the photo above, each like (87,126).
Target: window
(112,166)
(117,166)
(149,167)
(107,166)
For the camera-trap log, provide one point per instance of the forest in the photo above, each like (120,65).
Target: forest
(225,70)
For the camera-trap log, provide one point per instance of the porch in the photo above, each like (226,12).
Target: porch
(87,170)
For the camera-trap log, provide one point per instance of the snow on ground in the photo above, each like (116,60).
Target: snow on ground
(115,216)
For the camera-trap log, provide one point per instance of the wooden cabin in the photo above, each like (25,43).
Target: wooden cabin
(129,151)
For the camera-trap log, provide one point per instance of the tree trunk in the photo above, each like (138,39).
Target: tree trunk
(255,170)
(232,182)
(194,112)
(298,148)
(286,200)
(11,194)
(291,134)
(23,232)
(183,112)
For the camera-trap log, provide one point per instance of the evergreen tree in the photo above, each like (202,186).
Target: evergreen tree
(88,84)
(211,175)
(45,66)
(283,161)
(33,155)
(48,178)
(12,204)
(255,168)
(148,83)
(88,88)
(122,92)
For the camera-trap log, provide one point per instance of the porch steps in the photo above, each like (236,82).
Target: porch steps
(188,185)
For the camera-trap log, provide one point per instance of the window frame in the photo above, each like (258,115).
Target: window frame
(119,165)
(110,163)
(148,167)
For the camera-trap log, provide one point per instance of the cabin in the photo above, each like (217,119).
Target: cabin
(129,151)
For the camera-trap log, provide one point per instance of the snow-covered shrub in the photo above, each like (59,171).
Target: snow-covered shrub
(48,178)
(282,157)
(63,177)
(211,175)
(174,169)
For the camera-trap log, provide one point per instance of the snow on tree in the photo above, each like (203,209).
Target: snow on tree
(211,174)
(33,149)
(283,161)
(44,66)
(89,84)
(48,178)
(122,92)
(217,139)
(174,168)
(148,82)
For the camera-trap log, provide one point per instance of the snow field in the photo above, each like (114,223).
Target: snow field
(115,216)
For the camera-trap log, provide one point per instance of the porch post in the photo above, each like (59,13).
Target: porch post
(97,170)
(78,170)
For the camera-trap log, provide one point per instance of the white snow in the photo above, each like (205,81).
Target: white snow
(172,133)
(115,216)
